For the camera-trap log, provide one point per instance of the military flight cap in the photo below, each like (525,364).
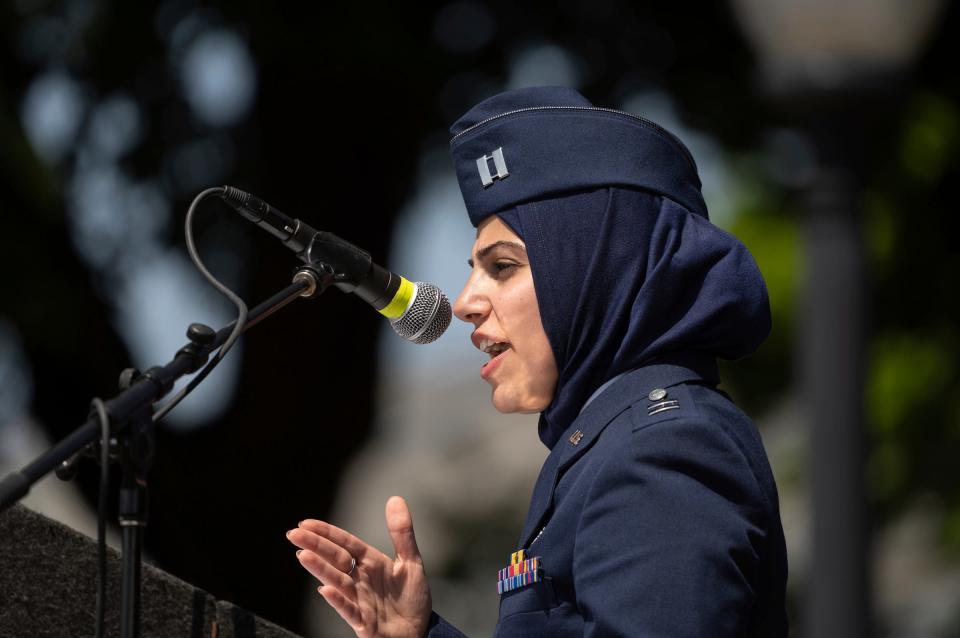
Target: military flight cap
(540,142)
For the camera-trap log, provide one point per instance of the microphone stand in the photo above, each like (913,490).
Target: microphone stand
(130,415)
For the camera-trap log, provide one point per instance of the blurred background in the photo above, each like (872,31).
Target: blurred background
(828,139)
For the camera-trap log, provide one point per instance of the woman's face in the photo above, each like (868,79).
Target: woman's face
(501,303)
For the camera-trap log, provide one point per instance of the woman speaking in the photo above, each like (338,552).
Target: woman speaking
(603,296)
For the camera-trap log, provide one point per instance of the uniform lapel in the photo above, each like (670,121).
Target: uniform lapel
(626,391)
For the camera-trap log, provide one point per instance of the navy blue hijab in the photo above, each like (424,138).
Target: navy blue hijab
(625,278)
(627,268)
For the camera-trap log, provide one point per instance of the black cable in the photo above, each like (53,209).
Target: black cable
(102,514)
(238,327)
(104,419)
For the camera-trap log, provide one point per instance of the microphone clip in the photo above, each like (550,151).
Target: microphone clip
(317,275)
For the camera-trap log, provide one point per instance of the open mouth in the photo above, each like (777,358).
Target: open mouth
(494,348)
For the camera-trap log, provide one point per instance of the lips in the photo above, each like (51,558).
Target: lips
(490,366)
(491,344)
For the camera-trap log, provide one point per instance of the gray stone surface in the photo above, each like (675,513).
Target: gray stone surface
(48,581)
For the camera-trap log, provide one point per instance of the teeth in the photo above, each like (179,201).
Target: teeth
(493,347)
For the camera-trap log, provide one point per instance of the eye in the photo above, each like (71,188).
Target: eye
(503,266)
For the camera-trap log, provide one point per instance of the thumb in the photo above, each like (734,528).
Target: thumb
(400,527)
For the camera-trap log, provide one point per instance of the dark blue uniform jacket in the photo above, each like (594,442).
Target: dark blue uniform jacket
(659,525)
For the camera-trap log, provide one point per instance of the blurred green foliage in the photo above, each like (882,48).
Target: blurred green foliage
(769,228)
(929,141)
(912,393)
(913,380)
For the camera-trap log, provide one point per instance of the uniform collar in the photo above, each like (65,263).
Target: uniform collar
(596,415)
(627,390)
(600,390)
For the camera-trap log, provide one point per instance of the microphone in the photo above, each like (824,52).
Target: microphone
(419,312)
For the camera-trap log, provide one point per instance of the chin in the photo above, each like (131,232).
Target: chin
(508,404)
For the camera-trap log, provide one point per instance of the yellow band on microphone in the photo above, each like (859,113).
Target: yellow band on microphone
(400,302)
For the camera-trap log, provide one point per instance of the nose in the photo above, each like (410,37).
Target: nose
(471,305)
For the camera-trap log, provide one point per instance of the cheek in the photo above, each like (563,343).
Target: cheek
(542,366)
(521,317)
(517,312)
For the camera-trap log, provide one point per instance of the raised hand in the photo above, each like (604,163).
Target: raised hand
(375,594)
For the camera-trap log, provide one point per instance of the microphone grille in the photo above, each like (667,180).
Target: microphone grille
(427,317)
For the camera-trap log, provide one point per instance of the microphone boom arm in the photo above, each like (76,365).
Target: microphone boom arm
(150,387)
(354,268)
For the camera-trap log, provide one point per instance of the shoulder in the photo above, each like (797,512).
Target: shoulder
(683,413)
(679,494)
(687,433)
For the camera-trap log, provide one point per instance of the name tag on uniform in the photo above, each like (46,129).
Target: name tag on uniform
(521,572)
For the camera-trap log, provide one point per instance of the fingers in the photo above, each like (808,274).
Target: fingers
(324,571)
(348,610)
(353,545)
(400,527)
(322,547)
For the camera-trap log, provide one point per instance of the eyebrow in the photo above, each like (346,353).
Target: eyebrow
(483,252)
